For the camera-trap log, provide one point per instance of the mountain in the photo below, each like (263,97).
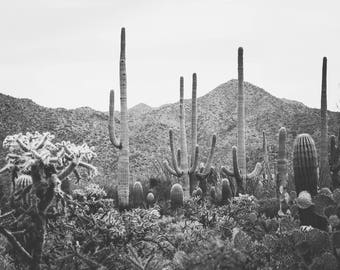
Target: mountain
(217,113)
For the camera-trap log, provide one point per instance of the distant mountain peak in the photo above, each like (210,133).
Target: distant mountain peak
(140,108)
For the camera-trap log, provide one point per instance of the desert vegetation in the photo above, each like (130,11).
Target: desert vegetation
(189,214)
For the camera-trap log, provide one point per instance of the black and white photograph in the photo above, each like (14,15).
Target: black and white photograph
(169,135)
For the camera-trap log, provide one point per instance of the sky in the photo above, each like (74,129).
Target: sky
(65,53)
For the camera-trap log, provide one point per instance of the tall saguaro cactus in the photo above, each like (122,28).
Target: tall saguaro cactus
(282,167)
(123,143)
(241,123)
(205,169)
(239,152)
(324,174)
(180,163)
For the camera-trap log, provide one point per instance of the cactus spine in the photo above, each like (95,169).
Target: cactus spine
(180,164)
(123,143)
(241,123)
(325,178)
(305,164)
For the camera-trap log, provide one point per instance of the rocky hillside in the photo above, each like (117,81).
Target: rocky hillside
(149,126)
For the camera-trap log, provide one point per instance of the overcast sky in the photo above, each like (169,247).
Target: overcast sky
(65,53)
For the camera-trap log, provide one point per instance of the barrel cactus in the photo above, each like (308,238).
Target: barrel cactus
(227,193)
(137,194)
(305,164)
(150,198)
(176,196)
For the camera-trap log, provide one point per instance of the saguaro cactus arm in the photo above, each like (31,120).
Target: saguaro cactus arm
(112,134)
(266,167)
(240,179)
(256,172)
(176,171)
(207,167)
(194,160)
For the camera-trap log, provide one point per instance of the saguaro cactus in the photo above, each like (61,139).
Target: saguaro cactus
(180,164)
(305,164)
(241,123)
(325,177)
(282,169)
(123,143)
(239,152)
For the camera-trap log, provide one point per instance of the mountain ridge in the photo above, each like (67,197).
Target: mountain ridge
(149,126)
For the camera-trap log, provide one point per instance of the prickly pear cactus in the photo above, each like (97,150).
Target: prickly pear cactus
(305,164)
(176,196)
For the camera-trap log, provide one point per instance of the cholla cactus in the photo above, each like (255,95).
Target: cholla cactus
(25,150)
(123,143)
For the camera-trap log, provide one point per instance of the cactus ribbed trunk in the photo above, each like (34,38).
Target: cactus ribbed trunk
(123,162)
(266,169)
(282,169)
(305,164)
(324,177)
(192,174)
(193,118)
(183,142)
(180,165)
(241,123)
